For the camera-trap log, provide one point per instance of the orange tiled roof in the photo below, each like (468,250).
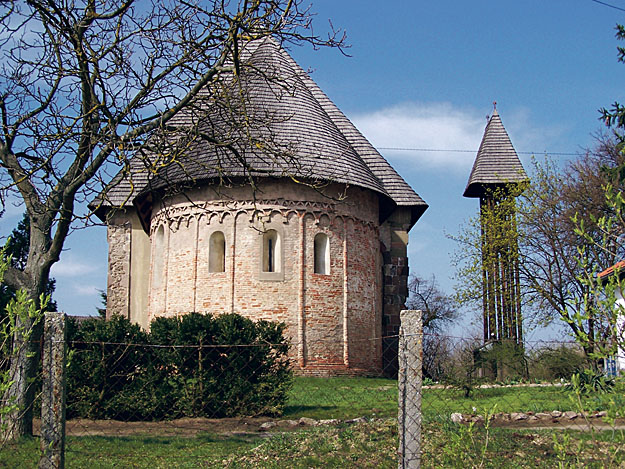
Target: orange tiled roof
(618,267)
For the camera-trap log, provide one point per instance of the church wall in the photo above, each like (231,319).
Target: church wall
(129,266)
(271,295)
(394,239)
(324,345)
(213,290)
(363,268)
(316,307)
(139,271)
(181,268)
(118,235)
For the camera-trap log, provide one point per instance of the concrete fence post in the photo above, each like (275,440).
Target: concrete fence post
(52,441)
(409,384)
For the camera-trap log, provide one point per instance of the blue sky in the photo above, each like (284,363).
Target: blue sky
(424,75)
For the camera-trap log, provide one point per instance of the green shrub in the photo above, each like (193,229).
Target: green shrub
(195,365)
(104,360)
(590,381)
(557,363)
(240,368)
(504,361)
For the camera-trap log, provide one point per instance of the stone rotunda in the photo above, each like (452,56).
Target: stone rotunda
(277,208)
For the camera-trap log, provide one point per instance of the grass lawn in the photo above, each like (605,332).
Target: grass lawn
(148,452)
(369,444)
(363,445)
(341,398)
(373,445)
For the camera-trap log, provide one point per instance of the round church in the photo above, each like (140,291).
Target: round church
(309,228)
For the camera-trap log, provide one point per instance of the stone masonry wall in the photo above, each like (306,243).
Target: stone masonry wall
(331,319)
(395,273)
(118,290)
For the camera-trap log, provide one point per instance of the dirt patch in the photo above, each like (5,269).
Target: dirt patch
(191,427)
(186,427)
(543,420)
(561,424)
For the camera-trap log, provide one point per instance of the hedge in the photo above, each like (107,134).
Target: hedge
(195,365)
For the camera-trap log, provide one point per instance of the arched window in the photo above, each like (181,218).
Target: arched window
(271,251)
(217,252)
(322,254)
(159,257)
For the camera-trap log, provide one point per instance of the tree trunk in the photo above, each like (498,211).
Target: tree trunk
(24,360)
(21,394)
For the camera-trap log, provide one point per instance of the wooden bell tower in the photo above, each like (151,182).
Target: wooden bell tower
(497,178)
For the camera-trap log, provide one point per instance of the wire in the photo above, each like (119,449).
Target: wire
(608,5)
(475,151)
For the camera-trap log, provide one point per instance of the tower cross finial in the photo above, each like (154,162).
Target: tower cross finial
(495,105)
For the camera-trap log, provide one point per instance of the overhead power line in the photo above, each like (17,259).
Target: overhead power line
(608,5)
(440,150)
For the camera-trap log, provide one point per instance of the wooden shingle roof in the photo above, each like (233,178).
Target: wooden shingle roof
(296,131)
(497,162)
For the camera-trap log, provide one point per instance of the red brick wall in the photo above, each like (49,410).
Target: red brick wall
(334,321)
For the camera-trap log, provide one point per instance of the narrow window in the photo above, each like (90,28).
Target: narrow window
(271,251)
(322,254)
(159,257)
(217,252)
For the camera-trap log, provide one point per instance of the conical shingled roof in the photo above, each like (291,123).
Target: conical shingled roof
(497,162)
(297,136)
(309,136)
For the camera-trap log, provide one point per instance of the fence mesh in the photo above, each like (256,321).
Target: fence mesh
(500,405)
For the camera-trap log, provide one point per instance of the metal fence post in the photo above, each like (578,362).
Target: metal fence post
(52,441)
(409,384)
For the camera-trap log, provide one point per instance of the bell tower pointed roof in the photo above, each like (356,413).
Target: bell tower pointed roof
(497,163)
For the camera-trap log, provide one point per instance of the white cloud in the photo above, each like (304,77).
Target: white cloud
(442,126)
(85,290)
(438,126)
(70,267)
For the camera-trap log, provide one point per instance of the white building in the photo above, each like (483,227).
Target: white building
(618,269)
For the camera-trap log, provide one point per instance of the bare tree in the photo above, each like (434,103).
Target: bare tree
(438,311)
(85,84)
(559,200)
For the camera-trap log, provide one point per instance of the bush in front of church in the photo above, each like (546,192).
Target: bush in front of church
(194,365)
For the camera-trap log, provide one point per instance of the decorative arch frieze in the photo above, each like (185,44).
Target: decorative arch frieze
(208,212)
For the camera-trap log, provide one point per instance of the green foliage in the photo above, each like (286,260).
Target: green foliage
(609,393)
(505,359)
(461,371)
(195,365)
(486,240)
(234,366)
(102,310)
(600,298)
(553,284)
(590,381)
(557,363)
(616,114)
(611,224)
(105,360)
(19,321)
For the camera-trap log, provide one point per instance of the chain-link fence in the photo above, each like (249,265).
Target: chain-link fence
(240,405)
